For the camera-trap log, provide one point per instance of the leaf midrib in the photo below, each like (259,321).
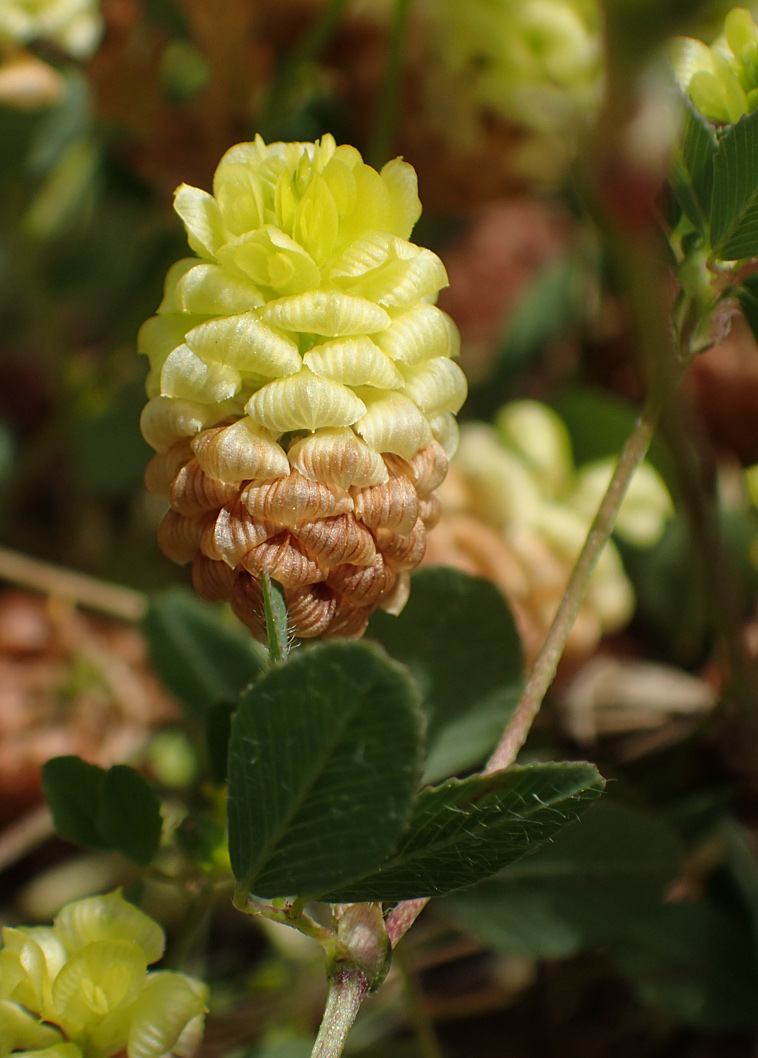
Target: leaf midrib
(276,838)
(402,860)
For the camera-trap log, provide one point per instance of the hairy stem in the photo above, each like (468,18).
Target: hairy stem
(546,664)
(347,987)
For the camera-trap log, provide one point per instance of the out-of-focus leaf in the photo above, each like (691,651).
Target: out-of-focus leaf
(109,451)
(200,657)
(457,637)
(129,814)
(72,790)
(113,809)
(218,726)
(577,891)
(694,963)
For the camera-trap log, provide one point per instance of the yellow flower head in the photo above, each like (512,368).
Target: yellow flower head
(302,387)
(86,978)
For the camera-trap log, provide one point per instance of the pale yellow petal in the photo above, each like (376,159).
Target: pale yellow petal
(240,195)
(435,385)
(354,361)
(174,274)
(270,258)
(101,978)
(23,970)
(165,419)
(246,343)
(373,205)
(167,1004)
(422,332)
(400,180)
(316,221)
(20,1031)
(363,255)
(108,917)
(330,313)
(393,423)
(186,375)
(403,281)
(446,431)
(160,334)
(202,219)
(304,402)
(207,290)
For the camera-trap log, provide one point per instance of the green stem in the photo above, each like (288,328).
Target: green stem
(387,109)
(546,664)
(347,988)
(288,915)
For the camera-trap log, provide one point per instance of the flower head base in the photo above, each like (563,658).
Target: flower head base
(721,80)
(302,391)
(86,978)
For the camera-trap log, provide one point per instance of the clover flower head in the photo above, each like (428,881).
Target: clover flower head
(81,988)
(301,383)
(75,25)
(721,80)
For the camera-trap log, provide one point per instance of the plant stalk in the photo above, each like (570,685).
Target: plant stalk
(546,663)
(347,987)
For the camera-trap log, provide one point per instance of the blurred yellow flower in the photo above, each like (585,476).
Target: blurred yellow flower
(86,978)
(75,25)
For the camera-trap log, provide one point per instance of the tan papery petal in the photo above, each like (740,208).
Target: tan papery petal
(337,456)
(233,533)
(285,562)
(163,468)
(240,452)
(179,537)
(394,505)
(333,541)
(213,581)
(193,491)
(363,585)
(295,500)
